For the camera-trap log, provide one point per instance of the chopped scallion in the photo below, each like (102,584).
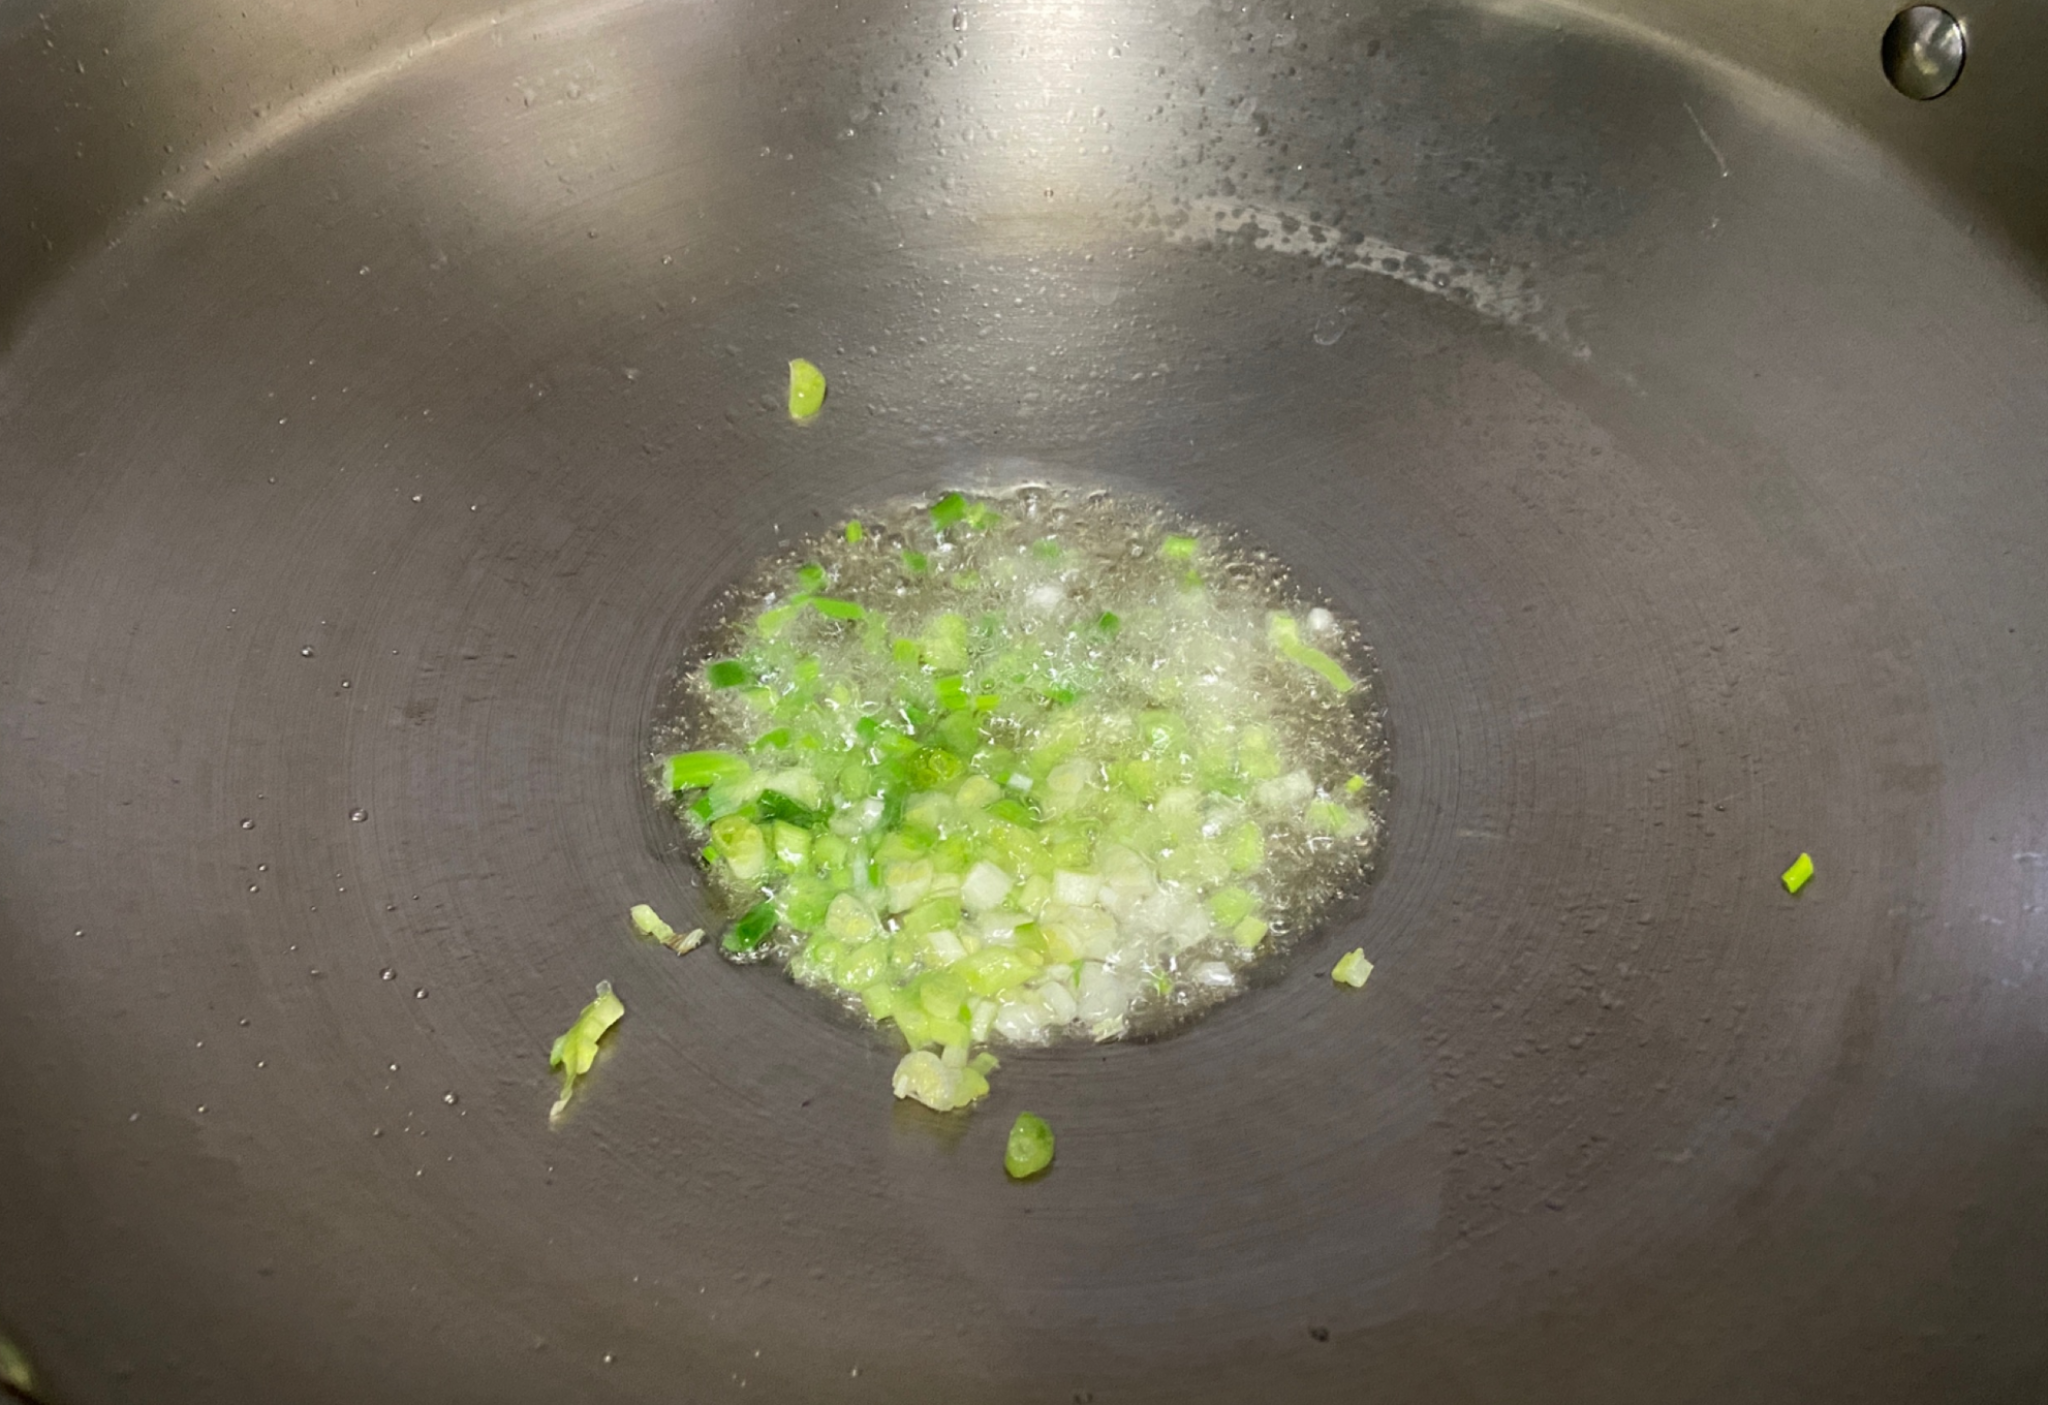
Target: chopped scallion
(806,390)
(649,924)
(691,770)
(1351,969)
(1285,636)
(1025,774)
(751,930)
(1029,1148)
(575,1051)
(1795,877)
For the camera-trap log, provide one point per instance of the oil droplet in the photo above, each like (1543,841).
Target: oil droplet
(306,651)
(450,1099)
(420,994)
(252,887)
(248,824)
(387,974)
(358,815)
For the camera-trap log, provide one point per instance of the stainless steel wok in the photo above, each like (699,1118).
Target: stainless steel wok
(387,390)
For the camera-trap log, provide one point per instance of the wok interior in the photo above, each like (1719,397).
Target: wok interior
(1676,450)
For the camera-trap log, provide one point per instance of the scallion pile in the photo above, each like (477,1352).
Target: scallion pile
(1020,769)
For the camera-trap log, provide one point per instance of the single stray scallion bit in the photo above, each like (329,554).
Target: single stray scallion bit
(576,1050)
(1285,636)
(1794,878)
(1352,968)
(647,922)
(806,390)
(1029,1149)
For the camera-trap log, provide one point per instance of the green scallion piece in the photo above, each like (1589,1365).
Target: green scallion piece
(771,622)
(647,922)
(774,805)
(576,1050)
(1014,811)
(949,511)
(727,673)
(806,390)
(694,770)
(1352,968)
(751,930)
(1795,877)
(1029,1148)
(1285,636)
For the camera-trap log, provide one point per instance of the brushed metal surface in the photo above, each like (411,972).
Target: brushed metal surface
(1678,446)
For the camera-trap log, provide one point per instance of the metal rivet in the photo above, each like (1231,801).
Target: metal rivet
(1923,51)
